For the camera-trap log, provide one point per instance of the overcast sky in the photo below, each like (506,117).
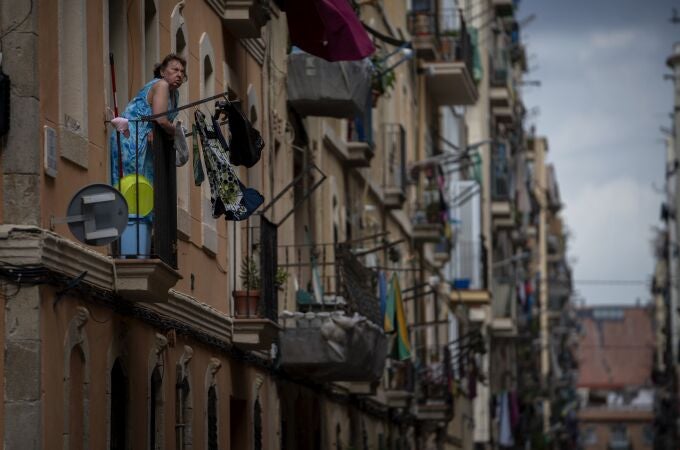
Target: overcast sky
(601,104)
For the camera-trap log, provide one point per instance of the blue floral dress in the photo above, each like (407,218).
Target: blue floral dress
(138,107)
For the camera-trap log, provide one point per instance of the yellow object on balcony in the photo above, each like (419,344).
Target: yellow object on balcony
(129,188)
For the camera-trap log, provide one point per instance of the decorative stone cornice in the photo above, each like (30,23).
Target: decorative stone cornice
(27,245)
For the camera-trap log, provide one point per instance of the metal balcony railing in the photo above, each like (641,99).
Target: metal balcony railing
(400,376)
(501,177)
(499,64)
(449,29)
(394,157)
(331,277)
(152,234)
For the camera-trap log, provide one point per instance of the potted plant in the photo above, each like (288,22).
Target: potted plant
(280,278)
(246,301)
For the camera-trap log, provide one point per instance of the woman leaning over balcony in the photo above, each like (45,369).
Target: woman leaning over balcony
(158,95)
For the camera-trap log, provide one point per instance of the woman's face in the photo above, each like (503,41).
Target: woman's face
(174,74)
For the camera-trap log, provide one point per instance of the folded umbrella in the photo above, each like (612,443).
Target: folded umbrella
(328,29)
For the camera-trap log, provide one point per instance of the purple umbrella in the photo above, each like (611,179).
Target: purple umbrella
(328,29)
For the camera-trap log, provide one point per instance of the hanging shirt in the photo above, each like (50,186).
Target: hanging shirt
(136,155)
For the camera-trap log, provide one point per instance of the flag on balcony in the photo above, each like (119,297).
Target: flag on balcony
(395,320)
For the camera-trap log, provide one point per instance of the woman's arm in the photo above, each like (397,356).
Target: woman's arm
(160,93)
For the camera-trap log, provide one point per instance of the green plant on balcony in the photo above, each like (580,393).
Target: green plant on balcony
(383,79)
(246,300)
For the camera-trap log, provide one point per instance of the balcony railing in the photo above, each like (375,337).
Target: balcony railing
(330,277)
(500,68)
(155,229)
(446,30)
(500,174)
(400,376)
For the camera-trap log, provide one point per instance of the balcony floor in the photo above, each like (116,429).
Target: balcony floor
(450,83)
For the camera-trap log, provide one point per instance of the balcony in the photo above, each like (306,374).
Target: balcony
(500,94)
(146,254)
(360,146)
(501,187)
(336,333)
(504,7)
(399,384)
(430,212)
(255,322)
(503,323)
(394,165)
(434,401)
(443,42)
(243,18)
(317,87)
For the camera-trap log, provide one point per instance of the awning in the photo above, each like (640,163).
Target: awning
(328,29)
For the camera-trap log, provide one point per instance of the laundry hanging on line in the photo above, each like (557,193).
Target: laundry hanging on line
(228,195)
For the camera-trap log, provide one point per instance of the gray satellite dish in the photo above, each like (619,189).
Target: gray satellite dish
(96,215)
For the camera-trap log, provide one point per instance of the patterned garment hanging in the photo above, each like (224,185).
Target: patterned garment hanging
(228,195)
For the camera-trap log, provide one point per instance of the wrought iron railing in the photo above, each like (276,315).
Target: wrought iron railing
(400,376)
(500,173)
(152,234)
(331,277)
(449,29)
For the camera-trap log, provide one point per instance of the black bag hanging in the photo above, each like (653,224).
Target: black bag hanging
(246,142)
(199,176)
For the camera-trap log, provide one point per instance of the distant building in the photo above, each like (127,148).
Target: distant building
(615,356)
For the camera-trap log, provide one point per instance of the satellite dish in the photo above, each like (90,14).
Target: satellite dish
(96,215)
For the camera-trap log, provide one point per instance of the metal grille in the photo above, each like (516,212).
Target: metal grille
(359,284)
(269,265)
(164,198)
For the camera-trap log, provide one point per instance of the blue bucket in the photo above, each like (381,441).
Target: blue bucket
(128,241)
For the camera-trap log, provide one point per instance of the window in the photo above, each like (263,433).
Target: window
(156,410)
(119,401)
(151,56)
(257,425)
(178,44)
(589,436)
(73,81)
(212,418)
(238,423)
(207,58)
(183,415)
(115,24)
(77,388)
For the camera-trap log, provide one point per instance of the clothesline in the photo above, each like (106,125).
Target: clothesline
(224,95)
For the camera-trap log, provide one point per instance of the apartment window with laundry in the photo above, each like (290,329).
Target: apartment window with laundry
(119,407)
(156,410)
(151,53)
(76,399)
(207,89)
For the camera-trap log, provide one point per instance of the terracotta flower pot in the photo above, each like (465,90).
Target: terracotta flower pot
(246,304)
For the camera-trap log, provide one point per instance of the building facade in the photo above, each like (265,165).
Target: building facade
(405,182)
